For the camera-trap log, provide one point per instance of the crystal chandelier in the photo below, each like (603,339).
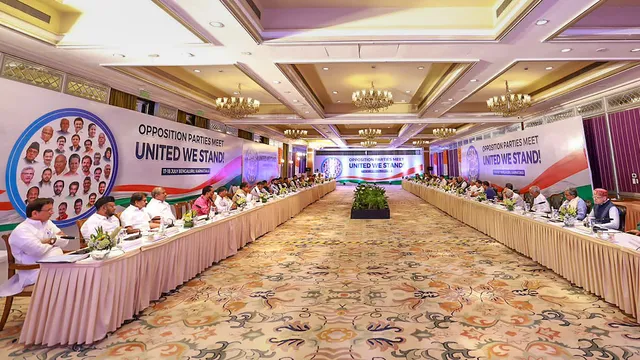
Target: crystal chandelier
(509,104)
(369,143)
(295,133)
(444,132)
(420,143)
(237,107)
(370,133)
(372,100)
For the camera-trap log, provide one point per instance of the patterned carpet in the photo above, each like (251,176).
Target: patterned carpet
(322,286)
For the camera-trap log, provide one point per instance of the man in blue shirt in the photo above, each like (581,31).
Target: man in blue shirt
(488,190)
(571,194)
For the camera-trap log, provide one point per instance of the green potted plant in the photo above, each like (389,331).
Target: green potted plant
(370,202)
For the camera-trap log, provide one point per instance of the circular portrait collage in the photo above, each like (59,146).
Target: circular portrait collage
(71,157)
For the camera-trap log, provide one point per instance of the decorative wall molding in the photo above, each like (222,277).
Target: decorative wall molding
(86,89)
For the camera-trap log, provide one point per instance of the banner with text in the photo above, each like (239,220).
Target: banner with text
(259,162)
(369,165)
(76,150)
(551,156)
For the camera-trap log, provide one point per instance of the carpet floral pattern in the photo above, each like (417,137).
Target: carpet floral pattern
(322,286)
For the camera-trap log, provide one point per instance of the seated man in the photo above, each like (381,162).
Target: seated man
(292,184)
(222,202)
(479,188)
(257,190)
(203,204)
(604,214)
(488,190)
(509,194)
(243,192)
(573,201)
(103,217)
(265,188)
(32,240)
(275,188)
(443,181)
(134,218)
(462,184)
(158,208)
(636,231)
(540,203)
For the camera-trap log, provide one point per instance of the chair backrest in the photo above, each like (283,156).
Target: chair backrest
(556,200)
(589,206)
(528,198)
(10,259)
(623,216)
(83,242)
(181,208)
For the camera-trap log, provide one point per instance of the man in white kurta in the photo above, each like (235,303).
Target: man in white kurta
(243,192)
(540,203)
(222,202)
(104,217)
(158,208)
(34,239)
(135,218)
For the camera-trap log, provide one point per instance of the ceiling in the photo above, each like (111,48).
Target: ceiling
(303,59)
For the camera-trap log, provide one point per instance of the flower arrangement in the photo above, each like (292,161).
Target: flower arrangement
(568,215)
(101,240)
(241,202)
(460,191)
(264,198)
(283,191)
(510,204)
(188,218)
(481,197)
(447,187)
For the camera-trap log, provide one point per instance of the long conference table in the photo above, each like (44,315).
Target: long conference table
(609,270)
(76,303)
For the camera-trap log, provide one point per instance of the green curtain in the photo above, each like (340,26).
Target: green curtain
(123,100)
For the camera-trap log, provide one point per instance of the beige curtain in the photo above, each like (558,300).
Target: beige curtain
(202,122)
(182,117)
(284,172)
(122,99)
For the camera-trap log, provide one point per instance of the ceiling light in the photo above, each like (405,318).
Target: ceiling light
(420,67)
(276,82)
(295,100)
(509,104)
(450,99)
(245,53)
(325,68)
(306,112)
(474,80)
(118,55)
(566,50)
(339,101)
(372,100)
(237,107)
(542,22)
(369,134)
(369,143)
(635,50)
(216,24)
(408,91)
(154,55)
(196,70)
(549,68)
(334,92)
(295,133)
(444,132)
(235,93)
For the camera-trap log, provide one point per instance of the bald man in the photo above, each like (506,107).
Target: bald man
(46,134)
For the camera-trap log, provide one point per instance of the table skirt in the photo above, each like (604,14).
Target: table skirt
(80,303)
(605,269)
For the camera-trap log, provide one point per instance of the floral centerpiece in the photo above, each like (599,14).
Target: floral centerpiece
(481,197)
(101,243)
(188,218)
(460,191)
(264,198)
(447,187)
(241,202)
(283,191)
(510,204)
(568,215)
